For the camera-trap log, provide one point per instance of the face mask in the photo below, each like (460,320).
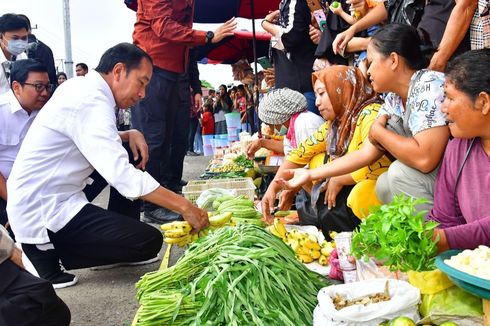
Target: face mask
(16,47)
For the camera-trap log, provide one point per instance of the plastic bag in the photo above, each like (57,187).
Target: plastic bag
(442,300)
(367,270)
(404,302)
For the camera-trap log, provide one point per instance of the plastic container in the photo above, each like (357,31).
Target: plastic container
(242,186)
(232,134)
(208,150)
(473,284)
(207,140)
(233,120)
(233,131)
(343,242)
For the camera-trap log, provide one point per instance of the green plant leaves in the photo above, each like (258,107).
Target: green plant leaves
(397,235)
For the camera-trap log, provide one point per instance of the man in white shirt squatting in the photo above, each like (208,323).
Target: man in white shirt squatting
(72,136)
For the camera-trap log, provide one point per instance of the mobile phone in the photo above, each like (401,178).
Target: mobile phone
(320,18)
(264,62)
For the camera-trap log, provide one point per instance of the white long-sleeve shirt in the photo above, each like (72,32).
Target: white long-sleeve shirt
(74,134)
(14,124)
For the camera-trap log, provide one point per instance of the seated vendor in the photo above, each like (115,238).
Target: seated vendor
(286,110)
(349,104)
(461,204)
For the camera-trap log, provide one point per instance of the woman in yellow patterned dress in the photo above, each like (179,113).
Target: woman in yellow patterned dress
(349,105)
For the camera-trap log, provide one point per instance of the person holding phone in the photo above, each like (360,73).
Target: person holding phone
(292,49)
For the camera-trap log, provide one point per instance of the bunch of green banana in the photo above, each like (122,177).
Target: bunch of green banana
(305,245)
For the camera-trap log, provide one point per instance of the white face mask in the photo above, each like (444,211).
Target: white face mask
(16,47)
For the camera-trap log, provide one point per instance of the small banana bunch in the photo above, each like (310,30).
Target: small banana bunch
(305,245)
(179,232)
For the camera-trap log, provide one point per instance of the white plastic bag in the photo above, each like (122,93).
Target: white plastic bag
(404,302)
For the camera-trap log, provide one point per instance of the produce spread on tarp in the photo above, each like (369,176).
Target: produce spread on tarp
(243,270)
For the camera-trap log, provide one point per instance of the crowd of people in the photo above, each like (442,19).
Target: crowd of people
(209,119)
(375,103)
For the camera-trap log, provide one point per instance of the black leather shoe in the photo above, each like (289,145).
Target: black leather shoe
(161,215)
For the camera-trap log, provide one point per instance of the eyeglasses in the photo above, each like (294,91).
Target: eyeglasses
(41,87)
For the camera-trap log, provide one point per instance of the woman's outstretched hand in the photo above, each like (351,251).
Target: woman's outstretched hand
(297,178)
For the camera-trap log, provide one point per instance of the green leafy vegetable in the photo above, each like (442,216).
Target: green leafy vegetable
(397,235)
(243,161)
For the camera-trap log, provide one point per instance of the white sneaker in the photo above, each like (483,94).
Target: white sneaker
(136,263)
(64,280)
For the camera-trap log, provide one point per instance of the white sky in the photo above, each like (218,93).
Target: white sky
(96,25)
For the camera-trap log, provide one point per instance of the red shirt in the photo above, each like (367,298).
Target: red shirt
(163,29)
(207,123)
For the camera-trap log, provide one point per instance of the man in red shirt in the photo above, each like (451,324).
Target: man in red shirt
(163,29)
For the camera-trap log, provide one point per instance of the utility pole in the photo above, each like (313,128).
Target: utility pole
(67,30)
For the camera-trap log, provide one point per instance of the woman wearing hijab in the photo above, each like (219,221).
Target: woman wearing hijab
(349,105)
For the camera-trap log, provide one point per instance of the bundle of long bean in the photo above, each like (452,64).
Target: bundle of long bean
(234,276)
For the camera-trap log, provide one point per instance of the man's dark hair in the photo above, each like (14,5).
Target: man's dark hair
(83,65)
(211,91)
(468,72)
(126,53)
(12,22)
(20,69)
(27,21)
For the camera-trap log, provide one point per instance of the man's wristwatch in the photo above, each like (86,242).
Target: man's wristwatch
(209,37)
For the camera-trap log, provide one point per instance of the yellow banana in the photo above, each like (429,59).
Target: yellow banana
(203,233)
(220,219)
(295,234)
(323,260)
(178,233)
(305,259)
(313,238)
(326,251)
(300,250)
(280,228)
(177,240)
(184,242)
(308,243)
(272,229)
(294,244)
(176,226)
(315,254)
